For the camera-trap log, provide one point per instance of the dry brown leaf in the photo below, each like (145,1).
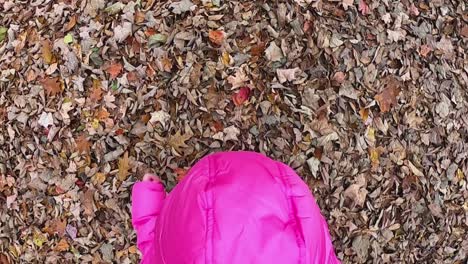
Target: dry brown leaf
(388,97)
(96,93)
(62,245)
(71,23)
(114,69)
(177,141)
(87,202)
(82,144)
(123,167)
(4,259)
(52,86)
(46,49)
(56,226)
(98,178)
(217,36)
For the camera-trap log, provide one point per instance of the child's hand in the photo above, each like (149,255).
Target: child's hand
(151,178)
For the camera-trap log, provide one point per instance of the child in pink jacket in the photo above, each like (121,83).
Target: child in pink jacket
(233,207)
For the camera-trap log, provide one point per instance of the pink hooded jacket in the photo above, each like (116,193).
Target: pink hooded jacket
(233,207)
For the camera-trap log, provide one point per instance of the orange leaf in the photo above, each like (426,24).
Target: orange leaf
(52,86)
(46,50)
(71,23)
(241,96)
(62,245)
(56,226)
(102,114)
(388,96)
(216,36)
(82,144)
(114,69)
(124,167)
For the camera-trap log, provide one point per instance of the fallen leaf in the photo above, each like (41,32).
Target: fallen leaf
(71,23)
(3,32)
(114,8)
(82,144)
(122,32)
(3,257)
(46,119)
(46,50)
(123,168)
(273,52)
(177,141)
(415,170)
(216,36)
(52,86)
(241,96)
(87,202)
(62,245)
(114,69)
(313,164)
(339,77)
(374,156)
(239,79)
(39,238)
(98,178)
(463,32)
(96,93)
(413,10)
(102,114)
(68,38)
(388,97)
(287,75)
(347,3)
(159,117)
(56,226)
(424,50)
(71,231)
(182,7)
(257,49)
(157,39)
(231,133)
(364,8)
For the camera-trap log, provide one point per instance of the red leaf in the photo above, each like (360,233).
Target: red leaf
(363,7)
(216,36)
(241,96)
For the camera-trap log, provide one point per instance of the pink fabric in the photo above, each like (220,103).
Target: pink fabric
(233,207)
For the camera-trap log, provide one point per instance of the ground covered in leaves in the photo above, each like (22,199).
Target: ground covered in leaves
(366,99)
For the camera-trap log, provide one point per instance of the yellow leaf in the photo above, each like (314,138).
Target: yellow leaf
(124,167)
(374,155)
(39,239)
(95,123)
(371,134)
(226,58)
(99,178)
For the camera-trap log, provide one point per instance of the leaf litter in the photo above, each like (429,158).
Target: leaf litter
(366,100)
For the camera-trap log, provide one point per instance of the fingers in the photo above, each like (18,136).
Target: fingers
(150,177)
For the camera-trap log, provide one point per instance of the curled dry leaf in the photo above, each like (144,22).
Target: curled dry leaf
(241,96)
(388,97)
(216,36)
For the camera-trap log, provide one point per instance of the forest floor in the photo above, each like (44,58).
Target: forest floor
(366,99)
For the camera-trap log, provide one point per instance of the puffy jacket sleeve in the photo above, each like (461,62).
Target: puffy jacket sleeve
(147,200)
